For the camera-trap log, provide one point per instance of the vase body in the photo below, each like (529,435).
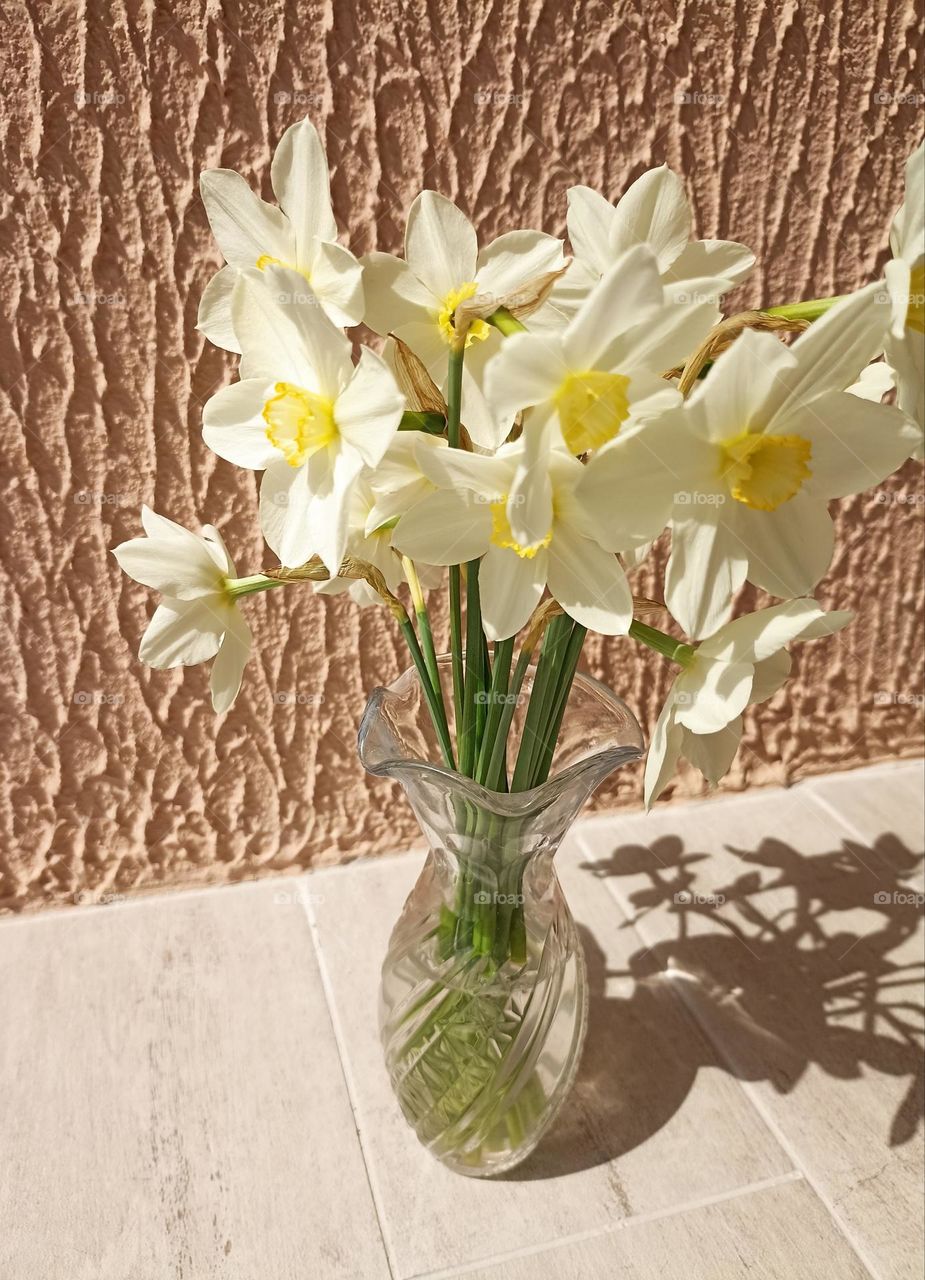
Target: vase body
(483,998)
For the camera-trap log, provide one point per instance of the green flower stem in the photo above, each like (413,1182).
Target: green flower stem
(249,586)
(430,652)
(434,706)
(495,770)
(434,424)
(505,323)
(541,697)
(810,310)
(497,700)
(453,408)
(563,687)
(475,677)
(667,646)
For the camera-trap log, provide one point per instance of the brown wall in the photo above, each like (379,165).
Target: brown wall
(792,139)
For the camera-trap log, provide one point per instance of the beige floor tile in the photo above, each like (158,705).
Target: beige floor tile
(652,1122)
(780,1233)
(799,948)
(173,1100)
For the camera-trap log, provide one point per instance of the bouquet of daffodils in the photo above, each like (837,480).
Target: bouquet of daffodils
(532,423)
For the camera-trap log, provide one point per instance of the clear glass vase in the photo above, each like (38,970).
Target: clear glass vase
(483,999)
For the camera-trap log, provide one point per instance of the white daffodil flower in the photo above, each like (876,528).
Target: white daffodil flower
(745,469)
(367,541)
(370,539)
(399,481)
(416,298)
(603,373)
(470,517)
(905,279)
(654,211)
(302,413)
(743,663)
(198,618)
(300,234)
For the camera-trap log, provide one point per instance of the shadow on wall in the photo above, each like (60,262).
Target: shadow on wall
(772,977)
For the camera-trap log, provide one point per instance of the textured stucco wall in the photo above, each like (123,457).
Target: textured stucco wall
(791,123)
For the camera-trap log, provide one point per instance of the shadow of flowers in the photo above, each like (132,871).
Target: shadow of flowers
(799,960)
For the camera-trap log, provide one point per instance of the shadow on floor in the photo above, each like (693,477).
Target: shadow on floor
(780,969)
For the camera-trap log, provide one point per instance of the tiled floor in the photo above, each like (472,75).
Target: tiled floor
(192,1085)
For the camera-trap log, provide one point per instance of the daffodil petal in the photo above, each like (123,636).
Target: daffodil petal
(214,319)
(182,633)
(394,295)
(444,528)
(526,371)
(630,486)
(653,211)
(246,227)
(855,443)
(180,567)
(440,244)
(706,568)
(712,693)
(788,550)
(589,220)
(285,334)
(510,587)
(299,175)
(228,667)
(337,279)
(713,753)
(514,259)
(589,583)
(233,425)
(625,294)
(663,754)
(703,264)
(742,381)
(755,637)
(369,409)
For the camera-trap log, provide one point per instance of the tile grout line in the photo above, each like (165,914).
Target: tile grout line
(349,1083)
(750,1093)
(846,824)
(625,1224)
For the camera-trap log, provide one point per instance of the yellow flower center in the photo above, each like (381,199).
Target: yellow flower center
(592,407)
(478,330)
(764,471)
(267,260)
(298,422)
(915,316)
(502,535)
